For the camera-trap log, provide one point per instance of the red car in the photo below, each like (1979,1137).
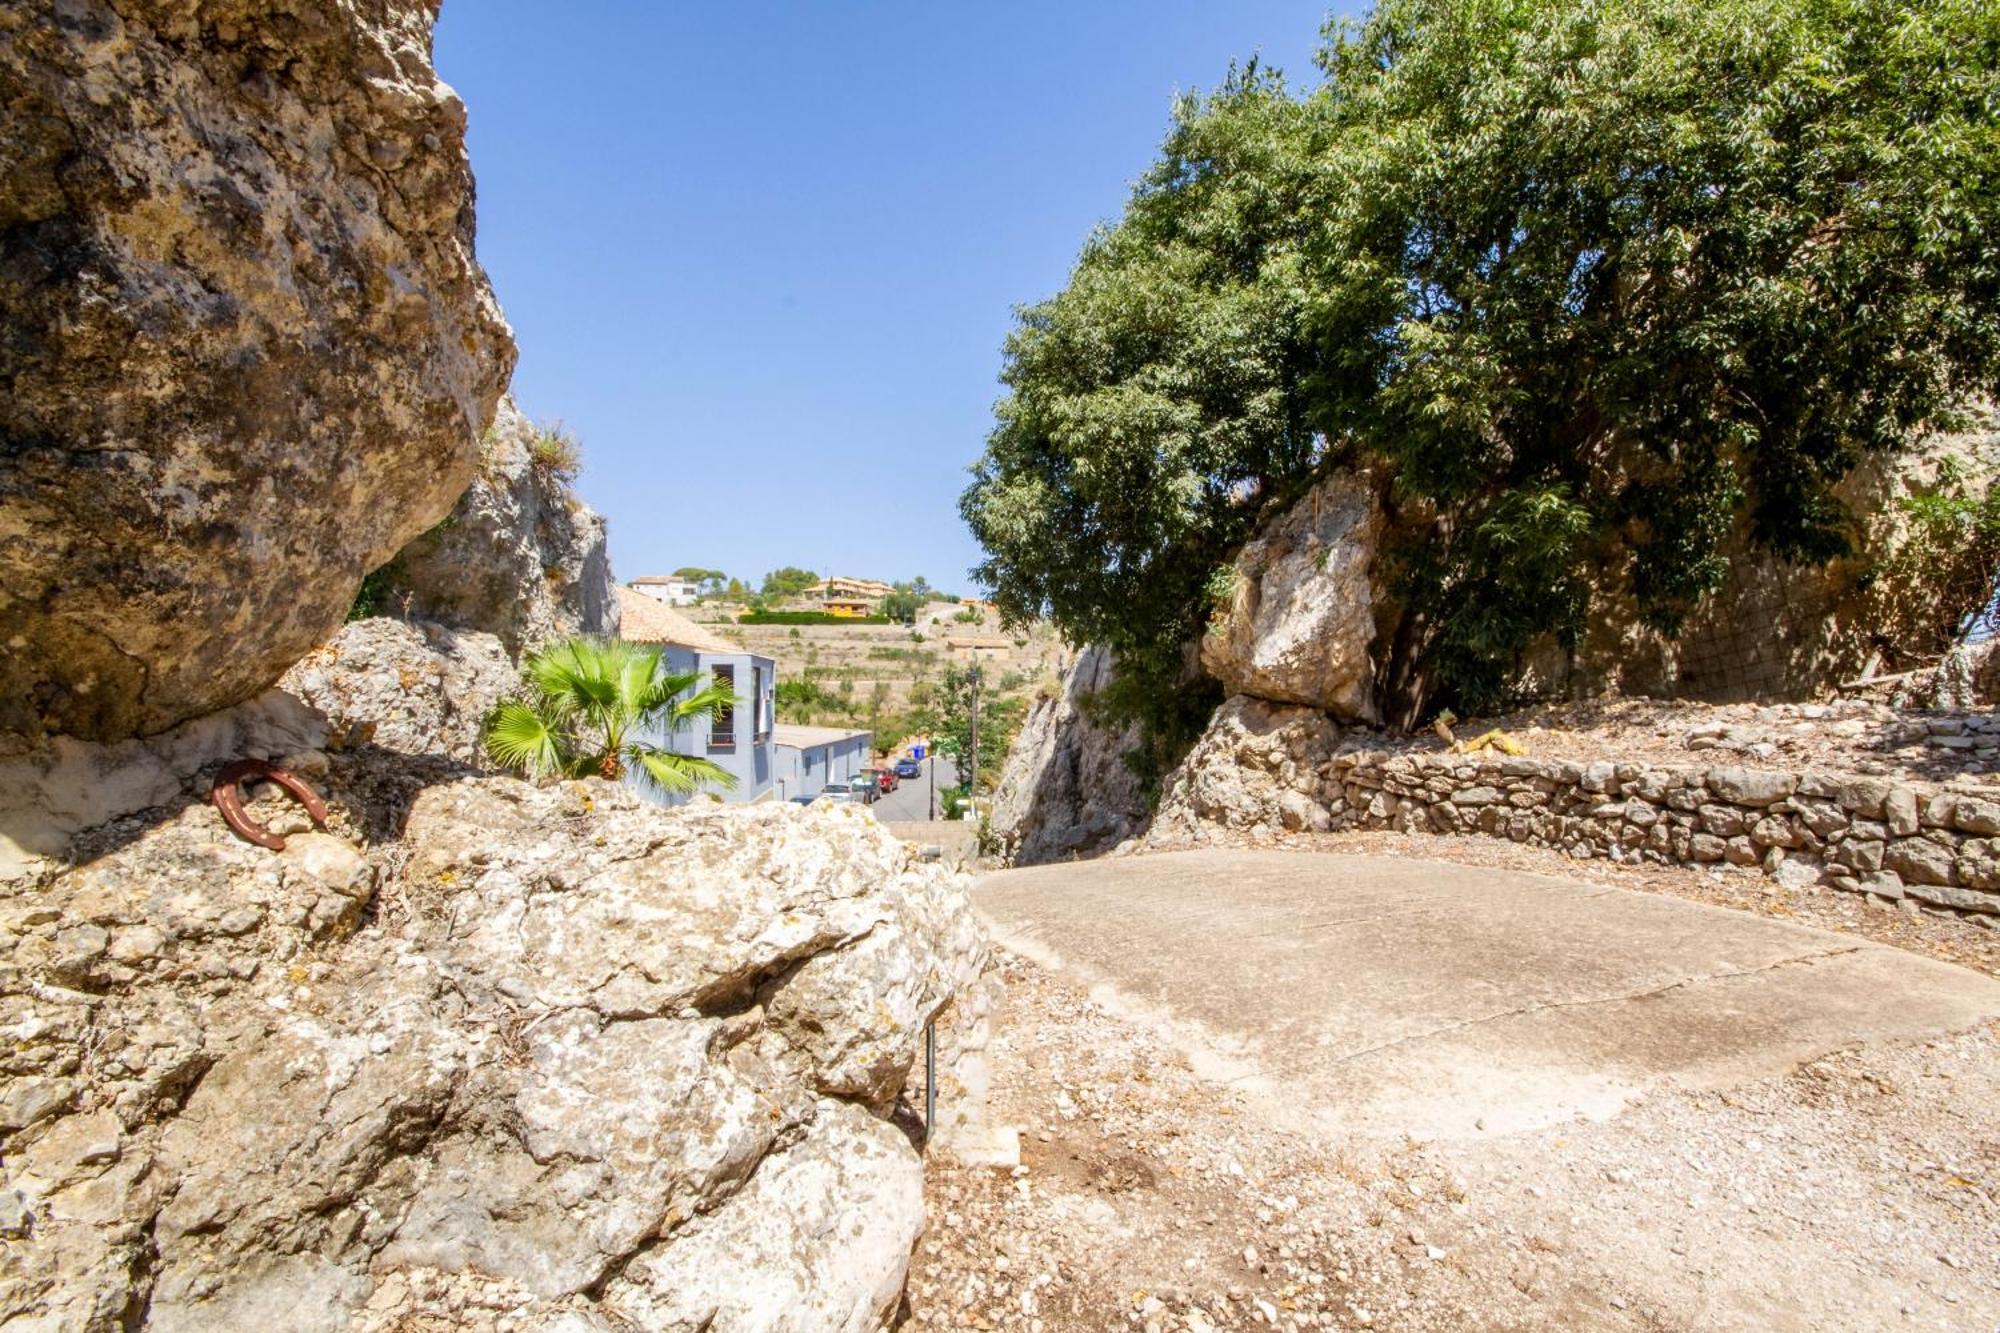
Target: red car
(885,778)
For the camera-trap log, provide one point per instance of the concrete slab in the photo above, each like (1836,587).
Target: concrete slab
(1387,996)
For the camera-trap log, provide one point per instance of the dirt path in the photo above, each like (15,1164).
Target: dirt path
(1857,1190)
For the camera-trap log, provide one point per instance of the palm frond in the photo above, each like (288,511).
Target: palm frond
(666,685)
(679,774)
(574,674)
(705,702)
(633,670)
(521,737)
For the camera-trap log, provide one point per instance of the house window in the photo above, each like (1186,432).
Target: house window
(760,704)
(722,729)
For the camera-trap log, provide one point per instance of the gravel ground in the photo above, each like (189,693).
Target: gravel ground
(1857,1192)
(1850,735)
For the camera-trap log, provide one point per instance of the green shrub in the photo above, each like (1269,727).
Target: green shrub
(806,618)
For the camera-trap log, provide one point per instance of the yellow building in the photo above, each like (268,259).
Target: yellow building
(849,597)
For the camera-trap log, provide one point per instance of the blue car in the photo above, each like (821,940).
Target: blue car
(909,768)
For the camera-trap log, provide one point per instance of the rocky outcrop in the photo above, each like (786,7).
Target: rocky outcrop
(1307,613)
(1778,630)
(1298,623)
(521,556)
(1066,790)
(557,1052)
(50,796)
(249,352)
(1264,770)
(409,686)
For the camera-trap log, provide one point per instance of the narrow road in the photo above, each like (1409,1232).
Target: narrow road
(1285,1092)
(910,800)
(1393,996)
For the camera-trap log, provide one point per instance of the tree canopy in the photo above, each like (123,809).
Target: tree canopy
(1590,286)
(788,581)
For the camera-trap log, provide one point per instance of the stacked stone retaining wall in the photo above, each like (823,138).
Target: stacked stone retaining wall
(1897,840)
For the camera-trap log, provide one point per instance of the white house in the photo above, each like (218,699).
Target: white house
(668,589)
(739,739)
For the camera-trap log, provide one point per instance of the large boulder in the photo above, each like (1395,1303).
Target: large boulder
(557,1051)
(248,354)
(521,556)
(1298,623)
(1067,790)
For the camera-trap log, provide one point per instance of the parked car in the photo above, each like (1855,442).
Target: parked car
(850,793)
(883,778)
(909,768)
(803,800)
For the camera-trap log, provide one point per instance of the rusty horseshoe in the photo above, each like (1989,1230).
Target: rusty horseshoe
(227,794)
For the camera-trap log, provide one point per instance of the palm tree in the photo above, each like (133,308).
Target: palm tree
(590,698)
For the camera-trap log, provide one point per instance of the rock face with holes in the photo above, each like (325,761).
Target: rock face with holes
(557,1051)
(1066,790)
(520,557)
(249,351)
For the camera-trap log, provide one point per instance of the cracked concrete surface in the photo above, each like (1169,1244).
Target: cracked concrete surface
(1383,996)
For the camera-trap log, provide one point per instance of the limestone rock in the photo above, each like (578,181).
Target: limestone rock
(69,785)
(1300,622)
(1066,790)
(1253,767)
(850,1187)
(616,1061)
(412,687)
(520,556)
(250,352)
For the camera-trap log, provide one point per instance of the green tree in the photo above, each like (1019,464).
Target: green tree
(803,701)
(711,581)
(1593,289)
(948,713)
(788,581)
(902,604)
(590,702)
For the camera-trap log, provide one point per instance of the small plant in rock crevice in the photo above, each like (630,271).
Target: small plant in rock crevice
(555,453)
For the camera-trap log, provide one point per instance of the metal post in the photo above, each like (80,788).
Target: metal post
(931,768)
(930,1080)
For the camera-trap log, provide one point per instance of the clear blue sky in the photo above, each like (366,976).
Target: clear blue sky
(761,257)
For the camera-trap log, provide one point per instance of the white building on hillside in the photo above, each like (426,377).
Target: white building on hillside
(738,739)
(671,589)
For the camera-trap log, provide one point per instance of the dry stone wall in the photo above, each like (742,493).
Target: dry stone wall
(1274,767)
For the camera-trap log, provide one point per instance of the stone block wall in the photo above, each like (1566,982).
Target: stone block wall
(1285,768)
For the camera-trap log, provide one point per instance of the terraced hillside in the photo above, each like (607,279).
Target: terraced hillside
(875,675)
